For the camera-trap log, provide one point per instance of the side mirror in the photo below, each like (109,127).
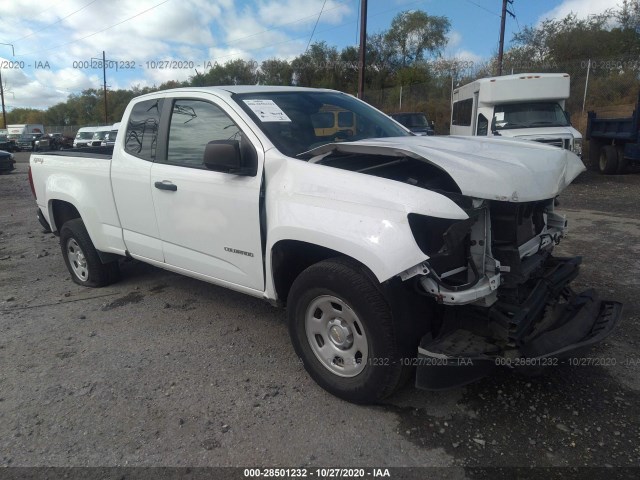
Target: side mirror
(231,156)
(493,126)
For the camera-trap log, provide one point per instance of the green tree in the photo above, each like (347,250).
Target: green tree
(233,72)
(275,72)
(414,34)
(317,67)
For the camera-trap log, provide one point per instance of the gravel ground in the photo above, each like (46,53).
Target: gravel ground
(163,370)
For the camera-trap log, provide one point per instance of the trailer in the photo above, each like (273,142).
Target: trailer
(613,142)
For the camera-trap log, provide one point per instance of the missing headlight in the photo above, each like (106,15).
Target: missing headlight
(446,242)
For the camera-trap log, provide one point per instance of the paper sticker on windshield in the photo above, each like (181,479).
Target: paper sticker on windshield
(499,116)
(267,110)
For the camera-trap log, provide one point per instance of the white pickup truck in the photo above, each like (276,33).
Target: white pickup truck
(390,251)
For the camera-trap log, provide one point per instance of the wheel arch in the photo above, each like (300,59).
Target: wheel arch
(60,212)
(289,258)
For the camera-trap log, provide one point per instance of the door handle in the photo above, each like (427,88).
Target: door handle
(166,185)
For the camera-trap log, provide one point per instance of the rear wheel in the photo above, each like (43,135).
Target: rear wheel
(594,154)
(622,162)
(342,329)
(82,259)
(608,162)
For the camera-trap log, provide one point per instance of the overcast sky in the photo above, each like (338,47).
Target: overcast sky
(53,41)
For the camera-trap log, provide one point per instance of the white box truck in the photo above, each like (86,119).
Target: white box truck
(529,106)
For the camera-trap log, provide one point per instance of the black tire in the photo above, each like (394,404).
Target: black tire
(87,270)
(594,154)
(622,162)
(608,162)
(380,370)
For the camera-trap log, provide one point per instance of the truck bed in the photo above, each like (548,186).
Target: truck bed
(87,173)
(612,128)
(101,153)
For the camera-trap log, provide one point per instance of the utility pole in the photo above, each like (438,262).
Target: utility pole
(363,47)
(4,113)
(104,79)
(503,19)
(104,84)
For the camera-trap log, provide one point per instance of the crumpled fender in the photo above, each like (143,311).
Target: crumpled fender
(361,216)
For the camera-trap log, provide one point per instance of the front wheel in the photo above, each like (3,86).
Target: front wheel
(82,259)
(342,329)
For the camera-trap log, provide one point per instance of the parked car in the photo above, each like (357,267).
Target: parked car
(7,162)
(110,137)
(417,122)
(99,134)
(27,141)
(63,140)
(390,251)
(53,141)
(8,145)
(83,137)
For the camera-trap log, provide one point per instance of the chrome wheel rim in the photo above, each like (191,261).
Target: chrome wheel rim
(77,260)
(336,336)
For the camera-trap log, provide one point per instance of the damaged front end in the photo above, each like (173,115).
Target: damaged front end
(506,300)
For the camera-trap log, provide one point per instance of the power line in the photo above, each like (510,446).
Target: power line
(483,8)
(515,17)
(275,27)
(314,27)
(95,33)
(55,23)
(404,6)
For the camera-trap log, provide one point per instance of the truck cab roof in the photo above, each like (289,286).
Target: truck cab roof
(227,91)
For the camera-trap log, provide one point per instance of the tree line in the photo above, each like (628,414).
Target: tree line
(406,69)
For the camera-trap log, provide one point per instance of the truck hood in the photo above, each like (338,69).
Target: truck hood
(491,168)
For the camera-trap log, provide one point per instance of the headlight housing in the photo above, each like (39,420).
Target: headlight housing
(577,146)
(446,241)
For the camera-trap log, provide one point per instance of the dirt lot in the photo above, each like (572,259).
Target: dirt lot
(163,370)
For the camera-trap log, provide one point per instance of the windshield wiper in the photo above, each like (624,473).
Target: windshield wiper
(546,122)
(513,125)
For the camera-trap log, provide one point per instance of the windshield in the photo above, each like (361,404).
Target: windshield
(100,135)
(299,121)
(529,115)
(411,120)
(84,135)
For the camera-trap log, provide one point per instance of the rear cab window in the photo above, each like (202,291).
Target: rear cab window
(141,137)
